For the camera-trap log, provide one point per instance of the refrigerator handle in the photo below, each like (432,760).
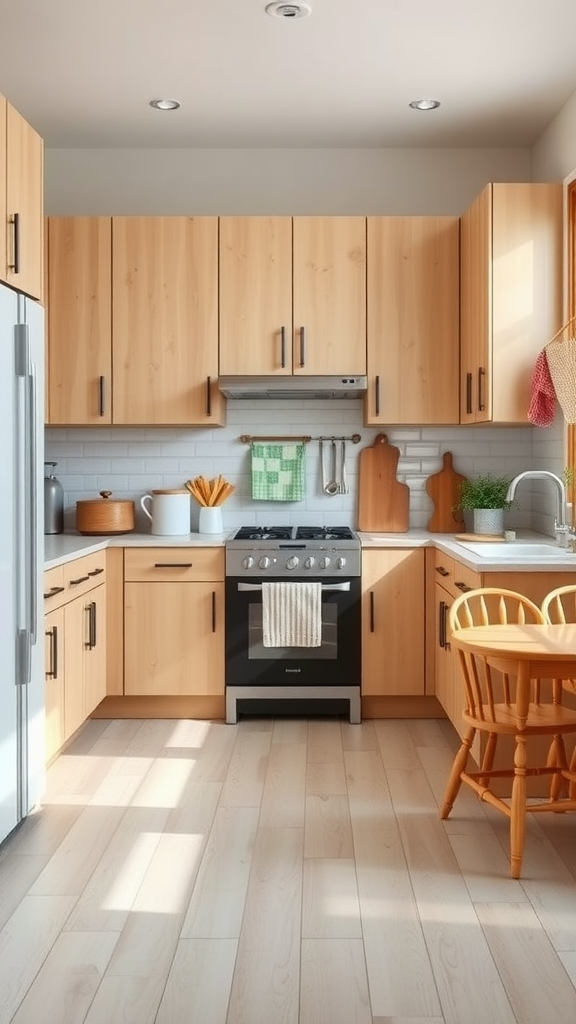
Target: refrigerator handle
(33,504)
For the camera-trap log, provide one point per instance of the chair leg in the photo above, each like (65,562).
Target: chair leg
(518,808)
(455,781)
(489,754)
(554,761)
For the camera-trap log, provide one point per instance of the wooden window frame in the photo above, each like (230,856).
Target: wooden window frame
(571,431)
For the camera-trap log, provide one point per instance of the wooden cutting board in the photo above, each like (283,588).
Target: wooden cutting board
(444,489)
(383,502)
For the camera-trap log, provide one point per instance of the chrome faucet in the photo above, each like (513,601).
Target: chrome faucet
(560,525)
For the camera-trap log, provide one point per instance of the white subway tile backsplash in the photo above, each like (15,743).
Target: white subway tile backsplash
(132,461)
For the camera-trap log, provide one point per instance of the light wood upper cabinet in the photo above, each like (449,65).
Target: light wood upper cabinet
(79,320)
(3,213)
(165,320)
(255,295)
(511,296)
(413,326)
(392,622)
(329,295)
(22,153)
(292,295)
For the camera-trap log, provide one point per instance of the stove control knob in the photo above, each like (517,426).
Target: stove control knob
(340,563)
(309,562)
(263,562)
(324,562)
(247,562)
(292,562)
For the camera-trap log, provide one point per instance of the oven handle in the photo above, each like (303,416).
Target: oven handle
(325,586)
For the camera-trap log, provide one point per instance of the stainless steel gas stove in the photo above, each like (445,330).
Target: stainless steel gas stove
(274,680)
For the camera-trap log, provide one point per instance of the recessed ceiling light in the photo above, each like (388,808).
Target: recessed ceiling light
(164,104)
(284,10)
(424,104)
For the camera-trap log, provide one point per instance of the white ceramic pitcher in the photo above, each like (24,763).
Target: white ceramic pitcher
(170,516)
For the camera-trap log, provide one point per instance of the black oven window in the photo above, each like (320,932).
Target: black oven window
(326,652)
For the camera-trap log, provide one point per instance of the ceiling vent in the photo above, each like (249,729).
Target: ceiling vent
(282,10)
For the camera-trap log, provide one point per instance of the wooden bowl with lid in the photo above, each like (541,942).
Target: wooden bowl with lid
(103,515)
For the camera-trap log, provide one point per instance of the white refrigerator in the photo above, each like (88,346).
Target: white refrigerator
(22,740)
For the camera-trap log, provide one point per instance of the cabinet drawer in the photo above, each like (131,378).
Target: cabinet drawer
(169,565)
(84,573)
(444,570)
(465,579)
(54,589)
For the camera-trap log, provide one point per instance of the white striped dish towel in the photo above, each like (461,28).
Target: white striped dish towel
(292,614)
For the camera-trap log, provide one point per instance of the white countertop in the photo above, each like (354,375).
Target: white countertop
(504,561)
(66,547)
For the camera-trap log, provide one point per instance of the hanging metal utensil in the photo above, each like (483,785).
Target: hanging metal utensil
(332,485)
(344,488)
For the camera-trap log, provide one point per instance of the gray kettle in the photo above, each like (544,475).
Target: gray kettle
(53,502)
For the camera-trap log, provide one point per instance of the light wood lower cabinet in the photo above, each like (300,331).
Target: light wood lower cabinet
(75,645)
(393,622)
(174,622)
(451,579)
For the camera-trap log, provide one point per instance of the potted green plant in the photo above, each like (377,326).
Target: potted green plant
(485,497)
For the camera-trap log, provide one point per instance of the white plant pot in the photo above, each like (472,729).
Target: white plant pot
(489,521)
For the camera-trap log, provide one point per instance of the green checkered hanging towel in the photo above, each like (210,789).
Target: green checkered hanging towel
(278,472)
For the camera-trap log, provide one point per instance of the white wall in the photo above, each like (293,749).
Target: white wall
(553,157)
(274,181)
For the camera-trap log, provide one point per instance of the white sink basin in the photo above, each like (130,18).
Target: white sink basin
(516,551)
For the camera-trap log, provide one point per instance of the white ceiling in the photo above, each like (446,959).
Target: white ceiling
(83,73)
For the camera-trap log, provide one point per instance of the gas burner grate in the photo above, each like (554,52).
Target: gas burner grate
(324,533)
(264,533)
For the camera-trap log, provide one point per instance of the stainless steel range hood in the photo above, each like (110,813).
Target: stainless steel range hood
(293,387)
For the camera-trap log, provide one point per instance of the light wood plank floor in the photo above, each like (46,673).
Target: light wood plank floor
(279,872)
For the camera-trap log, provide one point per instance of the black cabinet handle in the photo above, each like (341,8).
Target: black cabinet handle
(101,396)
(52,671)
(372,618)
(53,591)
(95,572)
(208,396)
(15,221)
(213,611)
(442,571)
(91,611)
(377,396)
(283,347)
(81,579)
(462,586)
(481,376)
(173,565)
(442,623)
(302,346)
(469,393)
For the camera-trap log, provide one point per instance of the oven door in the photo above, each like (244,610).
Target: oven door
(335,663)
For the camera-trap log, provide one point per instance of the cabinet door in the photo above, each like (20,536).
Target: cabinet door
(475,327)
(174,639)
(3,215)
(165,320)
(76,633)
(79,320)
(255,295)
(527,277)
(392,622)
(95,650)
(24,205)
(413,320)
(329,295)
(54,684)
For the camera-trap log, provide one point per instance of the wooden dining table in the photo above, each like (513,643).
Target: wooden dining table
(526,651)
